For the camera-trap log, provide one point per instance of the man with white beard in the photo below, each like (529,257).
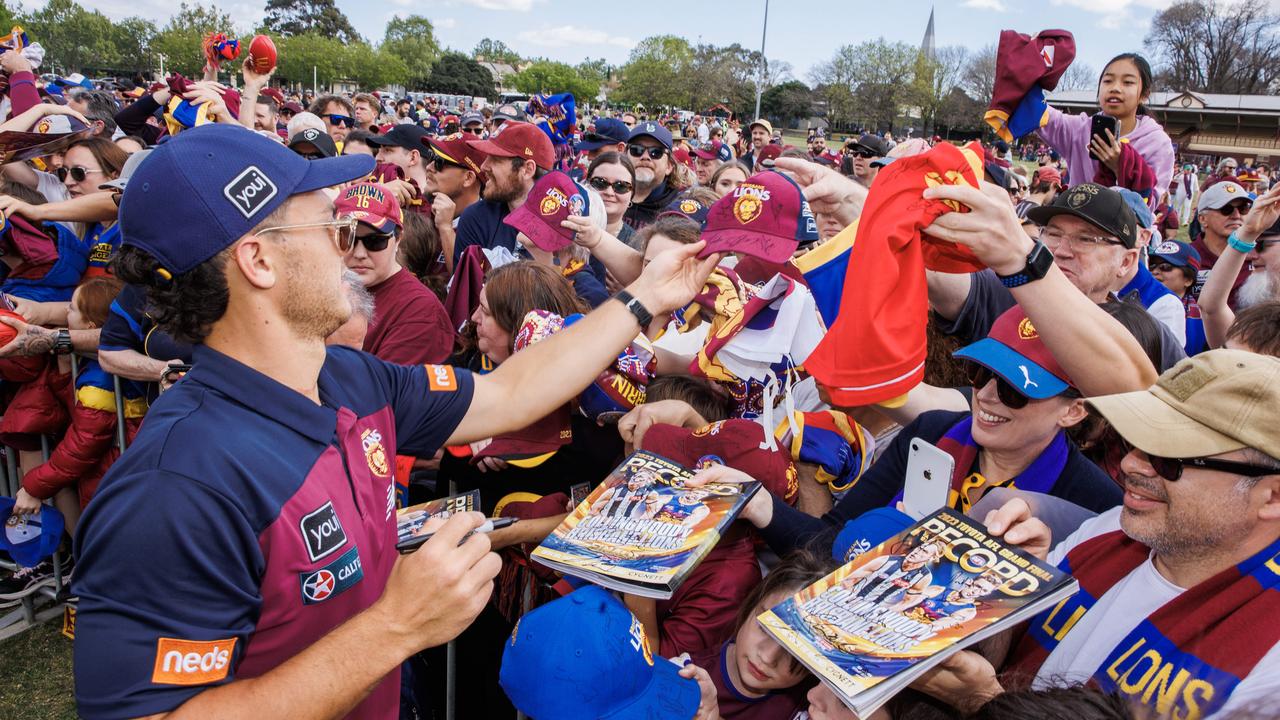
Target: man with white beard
(1257,241)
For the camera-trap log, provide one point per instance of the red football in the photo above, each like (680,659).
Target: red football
(7,334)
(262,54)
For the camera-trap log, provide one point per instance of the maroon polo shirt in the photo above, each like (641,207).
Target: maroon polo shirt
(1207,260)
(409,326)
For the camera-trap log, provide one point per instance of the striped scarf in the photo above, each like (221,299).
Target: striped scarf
(1184,659)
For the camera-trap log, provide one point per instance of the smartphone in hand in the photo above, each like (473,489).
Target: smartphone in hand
(1098,127)
(928,481)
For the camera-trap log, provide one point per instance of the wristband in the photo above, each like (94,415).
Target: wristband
(641,313)
(1239,245)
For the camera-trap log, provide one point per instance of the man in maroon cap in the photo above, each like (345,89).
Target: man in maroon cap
(453,181)
(517,157)
(409,326)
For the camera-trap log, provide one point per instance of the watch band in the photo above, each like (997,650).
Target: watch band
(641,313)
(62,345)
(1038,262)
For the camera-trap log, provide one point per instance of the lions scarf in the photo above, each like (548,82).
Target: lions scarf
(1185,659)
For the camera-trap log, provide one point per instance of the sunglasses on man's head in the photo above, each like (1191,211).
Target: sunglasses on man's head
(621,187)
(639,151)
(1010,396)
(1171,468)
(77,172)
(342,120)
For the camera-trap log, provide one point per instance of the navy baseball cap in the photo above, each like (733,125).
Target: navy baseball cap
(653,130)
(585,656)
(1176,254)
(695,210)
(224,180)
(608,131)
(404,135)
(867,531)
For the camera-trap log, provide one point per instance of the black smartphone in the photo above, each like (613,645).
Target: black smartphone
(409,544)
(176,371)
(1101,123)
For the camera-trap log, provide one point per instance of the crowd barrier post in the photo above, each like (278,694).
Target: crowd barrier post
(120,429)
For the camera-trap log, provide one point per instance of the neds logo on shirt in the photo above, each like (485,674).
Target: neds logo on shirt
(250,191)
(192,662)
(321,532)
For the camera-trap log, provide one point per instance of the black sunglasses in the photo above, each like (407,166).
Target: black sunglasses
(474,130)
(77,173)
(1010,396)
(1163,267)
(1171,468)
(342,120)
(621,187)
(375,242)
(1230,208)
(440,164)
(865,154)
(638,151)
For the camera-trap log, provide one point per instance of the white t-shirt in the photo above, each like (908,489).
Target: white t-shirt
(1169,310)
(1130,601)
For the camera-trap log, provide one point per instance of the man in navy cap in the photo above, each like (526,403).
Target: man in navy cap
(606,134)
(240,558)
(649,146)
(402,146)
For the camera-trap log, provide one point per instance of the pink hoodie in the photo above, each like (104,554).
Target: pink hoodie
(1069,135)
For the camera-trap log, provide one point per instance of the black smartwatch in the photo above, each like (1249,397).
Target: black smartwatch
(62,345)
(1038,262)
(641,313)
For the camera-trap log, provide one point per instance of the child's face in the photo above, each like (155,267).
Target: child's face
(75,318)
(763,664)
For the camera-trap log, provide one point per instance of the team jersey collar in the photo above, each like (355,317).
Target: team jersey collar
(263,395)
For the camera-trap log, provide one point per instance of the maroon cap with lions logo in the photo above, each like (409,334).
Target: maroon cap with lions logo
(766,216)
(459,149)
(553,198)
(522,140)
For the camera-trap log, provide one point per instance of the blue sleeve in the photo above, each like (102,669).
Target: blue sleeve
(470,231)
(589,288)
(429,401)
(123,328)
(167,575)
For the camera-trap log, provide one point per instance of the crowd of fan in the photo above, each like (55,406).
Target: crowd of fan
(1039,384)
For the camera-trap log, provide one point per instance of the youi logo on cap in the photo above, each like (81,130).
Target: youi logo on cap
(250,191)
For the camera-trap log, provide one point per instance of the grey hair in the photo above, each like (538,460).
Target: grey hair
(360,297)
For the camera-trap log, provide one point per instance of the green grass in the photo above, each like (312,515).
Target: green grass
(35,674)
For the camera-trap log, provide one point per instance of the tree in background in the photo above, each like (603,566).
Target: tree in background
(72,36)
(495,51)
(1079,76)
(934,80)
(655,71)
(412,40)
(980,75)
(457,74)
(792,100)
(1220,47)
(546,76)
(298,17)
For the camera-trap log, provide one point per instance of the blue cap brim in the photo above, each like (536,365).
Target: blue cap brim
(327,172)
(1024,375)
(668,696)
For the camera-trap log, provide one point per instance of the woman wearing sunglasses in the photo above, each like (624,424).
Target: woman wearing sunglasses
(613,176)
(1014,435)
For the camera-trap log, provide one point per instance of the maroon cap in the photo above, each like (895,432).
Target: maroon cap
(768,152)
(522,140)
(711,151)
(733,443)
(553,198)
(292,107)
(372,204)
(766,216)
(458,148)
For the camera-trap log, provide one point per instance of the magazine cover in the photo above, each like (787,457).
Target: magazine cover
(641,530)
(872,626)
(409,519)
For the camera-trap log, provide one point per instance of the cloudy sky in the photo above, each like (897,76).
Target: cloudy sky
(802,34)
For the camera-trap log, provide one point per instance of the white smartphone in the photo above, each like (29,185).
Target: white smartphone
(928,480)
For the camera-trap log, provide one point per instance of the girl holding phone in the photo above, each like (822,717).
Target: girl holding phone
(1137,155)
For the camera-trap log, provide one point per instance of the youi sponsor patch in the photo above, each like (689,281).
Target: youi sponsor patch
(250,191)
(322,532)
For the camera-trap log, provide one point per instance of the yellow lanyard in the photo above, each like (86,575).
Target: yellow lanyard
(966,497)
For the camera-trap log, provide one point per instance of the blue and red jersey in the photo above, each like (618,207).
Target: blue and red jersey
(245,523)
